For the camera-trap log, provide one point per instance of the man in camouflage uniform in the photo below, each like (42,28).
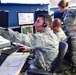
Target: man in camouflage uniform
(58,30)
(44,39)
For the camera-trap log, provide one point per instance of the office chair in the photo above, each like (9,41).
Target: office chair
(63,46)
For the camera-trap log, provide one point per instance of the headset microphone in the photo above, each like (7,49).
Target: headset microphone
(39,26)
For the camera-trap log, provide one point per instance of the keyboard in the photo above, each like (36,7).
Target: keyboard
(11,50)
(2,58)
(7,52)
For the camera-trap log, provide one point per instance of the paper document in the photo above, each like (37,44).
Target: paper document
(9,70)
(13,61)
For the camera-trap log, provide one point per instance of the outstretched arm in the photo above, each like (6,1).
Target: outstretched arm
(14,36)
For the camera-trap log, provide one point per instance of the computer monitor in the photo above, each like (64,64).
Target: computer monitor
(57,14)
(25,18)
(27,29)
(4,18)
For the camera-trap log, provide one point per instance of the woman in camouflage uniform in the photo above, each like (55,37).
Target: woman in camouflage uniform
(69,21)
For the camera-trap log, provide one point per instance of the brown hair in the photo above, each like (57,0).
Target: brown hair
(57,22)
(48,18)
(63,3)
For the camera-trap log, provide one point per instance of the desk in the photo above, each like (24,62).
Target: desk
(13,64)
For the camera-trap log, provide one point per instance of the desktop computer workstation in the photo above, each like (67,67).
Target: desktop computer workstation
(6,49)
(12,58)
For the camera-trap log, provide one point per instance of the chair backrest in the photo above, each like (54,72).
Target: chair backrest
(63,46)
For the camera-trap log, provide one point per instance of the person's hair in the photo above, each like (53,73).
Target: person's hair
(41,15)
(46,18)
(57,22)
(63,3)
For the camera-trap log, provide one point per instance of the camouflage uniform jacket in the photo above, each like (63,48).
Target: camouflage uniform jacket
(61,35)
(69,20)
(46,40)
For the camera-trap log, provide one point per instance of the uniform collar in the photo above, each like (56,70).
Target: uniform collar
(47,29)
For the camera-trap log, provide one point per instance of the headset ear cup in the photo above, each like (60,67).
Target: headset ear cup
(44,25)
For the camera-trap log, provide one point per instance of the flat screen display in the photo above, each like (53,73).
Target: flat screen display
(27,29)
(25,18)
(57,14)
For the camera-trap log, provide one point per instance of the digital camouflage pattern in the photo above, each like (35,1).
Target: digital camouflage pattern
(46,40)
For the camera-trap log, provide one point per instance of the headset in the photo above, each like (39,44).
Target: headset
(44,24)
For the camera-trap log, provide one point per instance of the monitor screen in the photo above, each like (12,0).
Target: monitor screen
(25,18)
(27,29)
(57,14)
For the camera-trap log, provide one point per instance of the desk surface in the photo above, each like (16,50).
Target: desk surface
(13,64)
